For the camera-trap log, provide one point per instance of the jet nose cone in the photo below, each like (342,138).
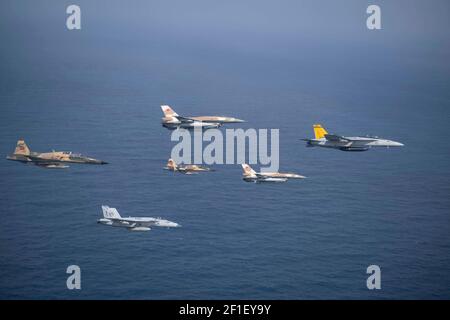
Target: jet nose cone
(397,144)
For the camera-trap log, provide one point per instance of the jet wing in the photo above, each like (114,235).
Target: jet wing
(50,165)
(134,222)
(336,138)
(43,160)
(270,179)
(35,158)
(186,120)
(45,163)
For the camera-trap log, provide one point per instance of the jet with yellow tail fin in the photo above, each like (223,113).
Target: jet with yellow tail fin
(344,143)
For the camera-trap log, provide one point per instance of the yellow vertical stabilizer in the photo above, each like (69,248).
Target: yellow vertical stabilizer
(319,131)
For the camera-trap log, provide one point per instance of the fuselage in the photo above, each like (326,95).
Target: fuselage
(353,143)
(187,168)
(54,157)
(172,120)
(138,223)
(257,179)
(217,119)
(271,177)
(173,123)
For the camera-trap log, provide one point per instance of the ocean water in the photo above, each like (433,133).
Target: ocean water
(98,91)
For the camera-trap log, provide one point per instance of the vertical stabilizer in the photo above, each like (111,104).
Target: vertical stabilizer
(319,131)
(168,111)
(110,213)
(171,165)
(248,171)
(22,148)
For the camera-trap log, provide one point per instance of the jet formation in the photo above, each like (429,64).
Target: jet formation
(173,120)
(111,217)
(187,169)
(54,159)
(251,175)
(325,140)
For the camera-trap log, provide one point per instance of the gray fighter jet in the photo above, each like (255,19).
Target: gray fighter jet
(344,143)
(111,217)
(50,160)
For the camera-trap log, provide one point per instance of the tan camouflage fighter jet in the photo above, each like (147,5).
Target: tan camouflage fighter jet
(250,175)
(187,169)
(173,120)
(54,159)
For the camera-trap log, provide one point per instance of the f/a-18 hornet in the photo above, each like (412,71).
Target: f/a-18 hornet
(344,143)
(187,169)
(54,159)
(173,120)
(111,217)
(251,176)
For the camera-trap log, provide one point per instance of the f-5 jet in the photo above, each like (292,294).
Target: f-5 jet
(344,143)
(251,176)
(111,217)
(54,159)
(173,120)
(187,169)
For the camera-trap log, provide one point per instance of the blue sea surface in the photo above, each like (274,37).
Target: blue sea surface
(98,91)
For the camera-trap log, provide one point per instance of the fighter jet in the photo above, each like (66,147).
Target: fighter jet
(187,169)
(251,176)
(111,217)
(325,140)
(49,160)
(173,120)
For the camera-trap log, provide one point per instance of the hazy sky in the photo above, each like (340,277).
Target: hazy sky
(286,38)
(237,24)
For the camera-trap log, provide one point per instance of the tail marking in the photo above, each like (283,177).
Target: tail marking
(168,111)
(319,131)
(22,148)
(248,171)
(110,213)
